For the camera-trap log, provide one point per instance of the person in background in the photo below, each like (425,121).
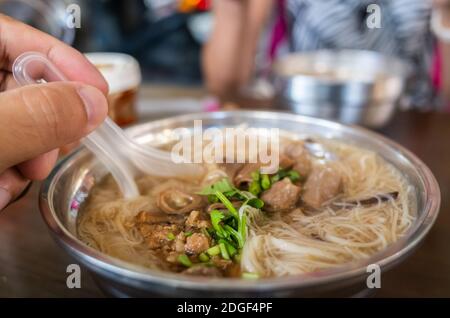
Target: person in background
(228,57)
(37,119)
(443,82)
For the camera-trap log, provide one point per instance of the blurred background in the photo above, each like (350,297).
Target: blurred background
(164,35)
(395,67)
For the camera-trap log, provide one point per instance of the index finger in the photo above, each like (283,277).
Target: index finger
(17,38)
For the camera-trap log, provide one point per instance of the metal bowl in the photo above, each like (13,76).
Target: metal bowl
(69,184)
(353,87)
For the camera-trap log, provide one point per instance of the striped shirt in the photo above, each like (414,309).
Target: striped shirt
(342,24)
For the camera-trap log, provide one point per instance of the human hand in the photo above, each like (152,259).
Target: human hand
(37,119)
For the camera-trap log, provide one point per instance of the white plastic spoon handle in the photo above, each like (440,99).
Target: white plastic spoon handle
(105,142)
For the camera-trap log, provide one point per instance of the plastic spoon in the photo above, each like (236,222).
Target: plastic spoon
(124,158)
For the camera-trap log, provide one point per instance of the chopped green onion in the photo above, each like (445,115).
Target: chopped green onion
(256,175)
(237,258)
(233,223)
(246,275)
(255,188)
(294,175)
(265,182)
(256,203)
(282,173)
(238,195)
(230,248)
(275,178)
(229,227)
(203,257)
(227,203)
(187,234)
(243,230)
(170,236)
(223,251)
(213,251)
(183,259)
(236,235)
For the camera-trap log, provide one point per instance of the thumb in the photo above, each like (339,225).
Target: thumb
(38,118)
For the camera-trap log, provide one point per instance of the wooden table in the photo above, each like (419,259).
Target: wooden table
(31,264)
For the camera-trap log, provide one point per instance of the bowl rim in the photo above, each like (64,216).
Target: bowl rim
(100,262)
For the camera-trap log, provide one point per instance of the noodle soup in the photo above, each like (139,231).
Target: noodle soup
(314,213)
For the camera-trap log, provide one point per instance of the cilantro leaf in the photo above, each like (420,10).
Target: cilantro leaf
(223,186)
(216,218)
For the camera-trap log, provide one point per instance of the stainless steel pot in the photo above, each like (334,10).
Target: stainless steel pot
(69,184)
(353,87)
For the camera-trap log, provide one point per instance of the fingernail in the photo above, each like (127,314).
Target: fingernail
(95,104)
(5,198)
